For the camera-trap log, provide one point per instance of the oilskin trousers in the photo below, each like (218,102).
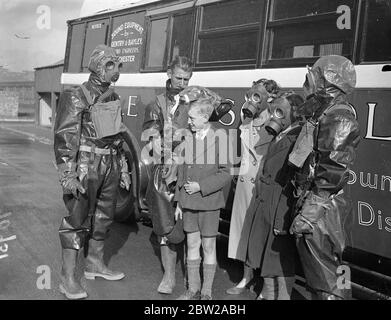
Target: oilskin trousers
(321,252)
(91,213)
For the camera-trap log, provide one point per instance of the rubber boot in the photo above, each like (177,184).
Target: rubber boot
(167,284)
(285,286)
(69,286)
(95,266)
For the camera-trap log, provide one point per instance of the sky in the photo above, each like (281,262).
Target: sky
(29,39)
(26,42)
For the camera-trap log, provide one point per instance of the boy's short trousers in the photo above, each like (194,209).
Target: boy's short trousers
(207,222)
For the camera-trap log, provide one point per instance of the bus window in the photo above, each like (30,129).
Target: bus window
(96,34)
(76,47)
(182,35)
(157,43)
(285,9)
(378,31)
(127,39)
(230,14)
(169,36)
(308,29)
(226,36)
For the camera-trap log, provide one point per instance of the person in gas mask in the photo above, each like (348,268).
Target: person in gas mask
(255,141)
(324,153)
(91,164)
(270,246)
(160,117)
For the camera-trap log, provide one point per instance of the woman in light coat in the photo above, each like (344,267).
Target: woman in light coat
(255,141)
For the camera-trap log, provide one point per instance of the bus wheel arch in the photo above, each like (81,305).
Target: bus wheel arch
(131,204)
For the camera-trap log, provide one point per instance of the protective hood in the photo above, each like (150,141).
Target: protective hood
(220,105)
(101,55)
(194,93)
(333,74)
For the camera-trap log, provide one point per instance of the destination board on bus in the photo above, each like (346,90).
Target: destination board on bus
(127,39)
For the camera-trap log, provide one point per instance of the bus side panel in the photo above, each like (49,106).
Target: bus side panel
(134,103)
(370,177)
(369,186)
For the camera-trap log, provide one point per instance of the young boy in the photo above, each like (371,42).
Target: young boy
(199,194)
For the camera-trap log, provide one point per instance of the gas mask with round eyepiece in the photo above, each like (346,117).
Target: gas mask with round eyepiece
(281,116)
(257,100)
(105,63)
(112,71)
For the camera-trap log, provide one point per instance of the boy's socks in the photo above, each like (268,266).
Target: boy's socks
(193,273)
(209,274)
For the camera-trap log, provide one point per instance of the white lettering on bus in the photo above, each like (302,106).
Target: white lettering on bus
(368,182)
(233,117)
(133,42)
(130,50)
(371,119)
(135,26)
(116,31)
(96,26)
(127,25)
(118,43)
(372,180)
(132,104)
(127,58)
(368,221)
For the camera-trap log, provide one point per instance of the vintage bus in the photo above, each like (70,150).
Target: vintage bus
(234,42)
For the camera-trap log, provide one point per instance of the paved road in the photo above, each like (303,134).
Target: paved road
(31,208)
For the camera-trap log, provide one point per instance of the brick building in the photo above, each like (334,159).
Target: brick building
(17,100)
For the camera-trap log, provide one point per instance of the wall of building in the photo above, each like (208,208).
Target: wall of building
(47,92)
(9,105)
(48,79)
(18,97)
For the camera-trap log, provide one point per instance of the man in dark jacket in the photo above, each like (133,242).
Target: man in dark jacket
(325,150)
(162,118)
(90,163)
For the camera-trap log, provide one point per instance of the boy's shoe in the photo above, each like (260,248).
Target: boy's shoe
(190,295)
(205,297)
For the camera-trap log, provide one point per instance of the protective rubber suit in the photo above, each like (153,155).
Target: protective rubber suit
(91,165)
(324,152)
(160,116)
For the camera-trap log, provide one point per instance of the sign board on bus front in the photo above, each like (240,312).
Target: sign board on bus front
(127,39)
